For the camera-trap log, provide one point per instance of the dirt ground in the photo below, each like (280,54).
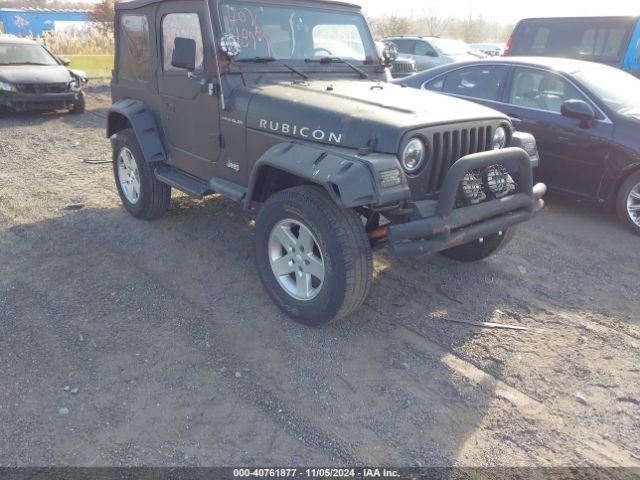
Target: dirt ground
(132,343)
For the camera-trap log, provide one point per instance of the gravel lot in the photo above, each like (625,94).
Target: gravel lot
(132,343)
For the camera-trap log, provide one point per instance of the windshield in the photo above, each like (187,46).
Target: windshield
(450,47)
(619,90)
(595,40)
(24,54)
(292,33)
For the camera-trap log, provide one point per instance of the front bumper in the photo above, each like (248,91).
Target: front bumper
(20,102)
(436,225)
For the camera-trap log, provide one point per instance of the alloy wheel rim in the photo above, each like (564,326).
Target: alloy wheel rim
(633,204)
(128,175)
(296,259)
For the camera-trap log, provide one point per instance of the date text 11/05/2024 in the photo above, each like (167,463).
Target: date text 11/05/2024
(316,473)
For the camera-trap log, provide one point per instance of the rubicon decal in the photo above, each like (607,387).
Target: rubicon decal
(316,134)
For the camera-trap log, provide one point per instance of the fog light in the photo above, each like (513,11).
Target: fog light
(498,180)
(472,187)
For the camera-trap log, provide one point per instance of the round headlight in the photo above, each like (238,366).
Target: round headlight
(7,87)
(499,138)
(413,155)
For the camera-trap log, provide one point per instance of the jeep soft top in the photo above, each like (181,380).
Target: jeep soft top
(285,105)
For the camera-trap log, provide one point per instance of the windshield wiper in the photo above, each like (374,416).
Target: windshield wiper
(325,60)
(273,60)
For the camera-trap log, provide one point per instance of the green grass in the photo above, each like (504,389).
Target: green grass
(95,66)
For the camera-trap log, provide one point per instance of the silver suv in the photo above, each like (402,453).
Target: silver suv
(429,52)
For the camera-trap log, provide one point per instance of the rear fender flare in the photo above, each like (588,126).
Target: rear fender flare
(141,119)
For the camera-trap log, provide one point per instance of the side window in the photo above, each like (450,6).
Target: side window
(425,50)
(405,46)
(541,90)
(436,84)
(482,82)
(185,25)
(133,58)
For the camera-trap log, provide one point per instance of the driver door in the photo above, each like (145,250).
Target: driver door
(190,115)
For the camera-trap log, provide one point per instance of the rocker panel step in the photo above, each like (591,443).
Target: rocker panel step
(192,186)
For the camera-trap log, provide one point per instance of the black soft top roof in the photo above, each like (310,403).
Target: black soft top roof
(133,4)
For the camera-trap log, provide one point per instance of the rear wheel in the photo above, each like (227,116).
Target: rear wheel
(628,203)
(313,257)
(143,195)
(480,249)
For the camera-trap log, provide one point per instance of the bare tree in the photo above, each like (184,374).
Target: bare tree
(103,15)
(434,23)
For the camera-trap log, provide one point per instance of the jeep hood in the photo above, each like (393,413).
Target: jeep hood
(34,74)
(355,114)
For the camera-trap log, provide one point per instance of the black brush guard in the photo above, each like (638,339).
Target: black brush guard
(438,226)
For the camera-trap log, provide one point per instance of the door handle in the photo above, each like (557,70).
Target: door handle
(170,106)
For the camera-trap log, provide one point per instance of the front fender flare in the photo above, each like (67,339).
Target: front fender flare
(350,180)
(144,125)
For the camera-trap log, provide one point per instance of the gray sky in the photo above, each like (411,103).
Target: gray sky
(500,10)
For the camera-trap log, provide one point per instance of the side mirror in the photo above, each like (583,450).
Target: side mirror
(432,53)
(184,54)
(64,61)
(390,53)
(580,110)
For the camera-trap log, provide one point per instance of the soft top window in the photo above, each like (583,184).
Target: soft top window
(134,48)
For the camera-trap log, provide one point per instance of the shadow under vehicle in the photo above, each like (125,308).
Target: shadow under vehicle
(33,79)
(249,100)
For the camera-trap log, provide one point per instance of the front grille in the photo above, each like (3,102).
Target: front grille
(449,146)
(403,67)
(42,87)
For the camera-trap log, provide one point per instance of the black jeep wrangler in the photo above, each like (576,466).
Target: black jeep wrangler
(284,104)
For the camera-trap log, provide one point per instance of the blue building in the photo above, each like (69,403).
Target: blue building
(35,21)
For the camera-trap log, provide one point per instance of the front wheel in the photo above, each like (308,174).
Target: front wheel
(628,203)
(480,249)
(79,104)
(313,257)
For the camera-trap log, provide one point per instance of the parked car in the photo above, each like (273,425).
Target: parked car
(339,162)
(584,116)
(429,52)
(490,49)
(401,67)
(32,78)
(614,41)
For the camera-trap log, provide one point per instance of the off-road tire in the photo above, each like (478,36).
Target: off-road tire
(155,196)
(346,253)
(476,250)
(621,202)
(79,104)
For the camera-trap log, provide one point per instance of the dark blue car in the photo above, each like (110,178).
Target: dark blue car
(585,117)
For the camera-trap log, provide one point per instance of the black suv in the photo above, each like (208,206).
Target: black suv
(285,105)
